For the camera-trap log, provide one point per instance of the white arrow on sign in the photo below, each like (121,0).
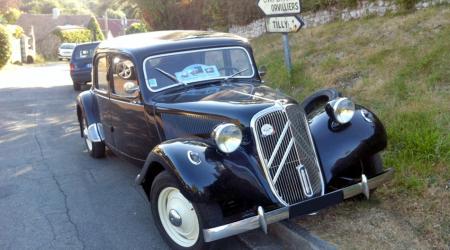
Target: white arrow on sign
(279,7)
(283,24)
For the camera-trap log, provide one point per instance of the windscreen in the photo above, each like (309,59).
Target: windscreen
(165,71)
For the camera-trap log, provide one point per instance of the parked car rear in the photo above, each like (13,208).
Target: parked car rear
(81,64)
(65,51)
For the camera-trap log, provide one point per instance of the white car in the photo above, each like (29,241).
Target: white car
(65,50)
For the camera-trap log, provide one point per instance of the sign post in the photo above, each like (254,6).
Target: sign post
(282,18)
(287,52)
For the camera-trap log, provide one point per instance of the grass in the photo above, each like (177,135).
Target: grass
(399,66)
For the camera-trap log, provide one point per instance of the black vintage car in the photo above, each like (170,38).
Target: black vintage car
(222,153)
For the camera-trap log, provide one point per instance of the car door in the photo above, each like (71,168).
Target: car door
(101,89)
(131,131)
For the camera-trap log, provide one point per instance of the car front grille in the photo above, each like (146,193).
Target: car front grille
(287,153)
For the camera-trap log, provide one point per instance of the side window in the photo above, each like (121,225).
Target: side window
(124,77)
(102,74)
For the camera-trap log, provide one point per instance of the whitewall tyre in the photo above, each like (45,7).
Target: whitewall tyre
(177,219)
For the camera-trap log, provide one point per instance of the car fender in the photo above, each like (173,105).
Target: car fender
(341,149)
(87,106)
(215,177)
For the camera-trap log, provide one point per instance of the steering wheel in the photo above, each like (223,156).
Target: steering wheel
(234,70)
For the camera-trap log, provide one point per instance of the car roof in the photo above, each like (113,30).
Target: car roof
(145,44)
(87,44)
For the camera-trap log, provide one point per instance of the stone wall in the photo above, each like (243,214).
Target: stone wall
(365,8)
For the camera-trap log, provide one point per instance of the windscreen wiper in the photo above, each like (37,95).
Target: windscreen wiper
(235,74)
(174,78)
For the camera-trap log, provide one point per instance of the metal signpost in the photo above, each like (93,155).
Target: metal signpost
(282,18)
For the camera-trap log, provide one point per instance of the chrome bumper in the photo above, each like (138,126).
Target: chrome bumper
(262,219)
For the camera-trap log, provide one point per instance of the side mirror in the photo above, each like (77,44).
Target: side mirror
(131,89)
(262,71)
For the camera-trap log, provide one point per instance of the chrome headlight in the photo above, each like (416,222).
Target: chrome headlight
(341,110)
(228,137)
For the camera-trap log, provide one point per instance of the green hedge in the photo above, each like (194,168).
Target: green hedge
(96,32)
(5,46)
(136,28)
(74,35)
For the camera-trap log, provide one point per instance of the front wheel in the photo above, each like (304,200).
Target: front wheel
(178,219)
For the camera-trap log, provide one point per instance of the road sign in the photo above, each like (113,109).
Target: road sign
(279,7)
(283,24)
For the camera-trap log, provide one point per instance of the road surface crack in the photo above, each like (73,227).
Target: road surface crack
(67,210)
(39,146)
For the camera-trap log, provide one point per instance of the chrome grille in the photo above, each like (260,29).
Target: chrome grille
(287,153)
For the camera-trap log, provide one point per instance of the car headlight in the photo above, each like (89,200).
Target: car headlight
(228,137)
(341,110)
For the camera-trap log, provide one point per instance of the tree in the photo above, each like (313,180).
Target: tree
(12,15)
(6,4)
(5,46)
(115,14)
(46,6)
(197,14)
(136,28)
(94,27)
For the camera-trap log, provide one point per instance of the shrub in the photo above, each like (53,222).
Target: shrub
(74,35)
(40,6)
(18,32)
(117,14)
(96,32)
(39,59)
(136,28)
(12,15)
(407,5)
(5,46)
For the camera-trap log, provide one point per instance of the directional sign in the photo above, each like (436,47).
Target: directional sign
(283,24)
(279,7)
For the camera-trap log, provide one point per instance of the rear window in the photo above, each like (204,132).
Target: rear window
(85,51)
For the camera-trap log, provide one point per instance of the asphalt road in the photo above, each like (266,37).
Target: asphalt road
(52,194)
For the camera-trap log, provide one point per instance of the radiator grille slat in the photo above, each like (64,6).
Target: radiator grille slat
(285,150)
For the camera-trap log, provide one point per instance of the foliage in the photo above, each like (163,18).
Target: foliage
(136,28)
(127,8)
(6,4)
(197,14)
(46,6)
(407,5)
(5,46)
(401,73)
(12,15)
(94,27)
(40,6)
(115,14)
(39,59)
(74,35)
(18,32)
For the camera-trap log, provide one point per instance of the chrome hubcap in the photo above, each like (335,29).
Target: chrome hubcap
(175,218)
